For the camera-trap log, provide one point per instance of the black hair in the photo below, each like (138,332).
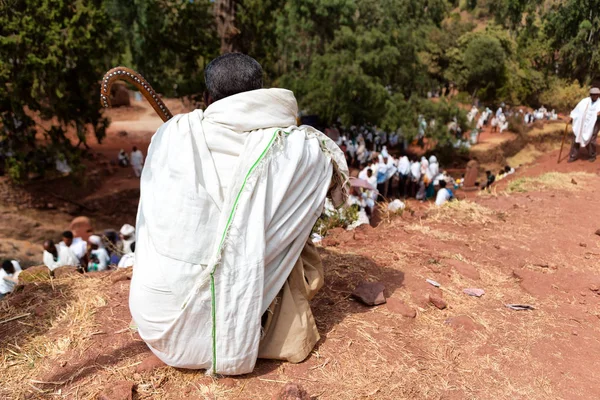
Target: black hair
(442,183)
(67,234)
(507,168)
(488,172)
(8,267)
(134,148)
(232,73)
(132,247)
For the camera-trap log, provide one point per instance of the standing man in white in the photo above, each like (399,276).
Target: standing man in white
(585,125)
(137,161)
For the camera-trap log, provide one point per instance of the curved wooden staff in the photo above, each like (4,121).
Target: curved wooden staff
(129,75)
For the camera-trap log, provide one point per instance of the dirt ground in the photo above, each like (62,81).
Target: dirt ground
(530,241)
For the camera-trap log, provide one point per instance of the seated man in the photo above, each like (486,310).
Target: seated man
(98,257)
(77,245)
(9,276)
(127,234)
(444,194)
(58,256)
(223,269)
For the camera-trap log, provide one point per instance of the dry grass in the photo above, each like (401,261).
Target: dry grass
(69,326)
(462,212)
(526,156)
(550,181)
(554,129)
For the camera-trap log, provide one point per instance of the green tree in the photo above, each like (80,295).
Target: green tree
(52,56)
(573,28)
(168,41)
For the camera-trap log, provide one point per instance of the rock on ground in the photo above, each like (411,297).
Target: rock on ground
(463,322)
(437,301)
(370,293)
(464,269)
(399,307)
(292,391)
(150,363)
(120,390)
(35,274)
(64,272)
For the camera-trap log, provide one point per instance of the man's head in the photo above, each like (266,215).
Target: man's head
(8,267)
(594,93)
(442,183)
(95,242)
(230,74)
(488,173)
(134,148)
(369,172)
(50,247)
(127,232)
(67,238)
(81,227)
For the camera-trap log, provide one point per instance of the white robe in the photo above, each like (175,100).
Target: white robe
(228,198)
(584,118)
(65,258)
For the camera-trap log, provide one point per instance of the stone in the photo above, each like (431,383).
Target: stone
(40,273)
(120,390)
(227,382)
(583,244)
(474,292)
(121,274)
(573,181)
(598,232)
(471,173)
(150,363)
(39,311)
(464,269)
(437,301)
(370,293)
(64,272)
(399,307)
(291,391)
(463,322)
(330,242)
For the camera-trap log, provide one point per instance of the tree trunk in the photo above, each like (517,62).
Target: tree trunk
(225,15)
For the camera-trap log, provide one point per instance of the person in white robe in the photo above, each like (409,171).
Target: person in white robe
(127,236)
(585,125)
(128,260)
(98,257)
(9,276)
(224,270)
(76,244)
(137,161)
(58,256)
(434,167)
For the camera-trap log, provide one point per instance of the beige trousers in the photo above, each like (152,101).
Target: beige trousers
(290,331)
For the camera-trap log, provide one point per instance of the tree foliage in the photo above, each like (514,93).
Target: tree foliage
(52,55)
(353,61)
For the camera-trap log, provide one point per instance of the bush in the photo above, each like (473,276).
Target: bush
(563,95)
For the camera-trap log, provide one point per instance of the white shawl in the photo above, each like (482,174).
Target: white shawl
(236,241)
(584,119)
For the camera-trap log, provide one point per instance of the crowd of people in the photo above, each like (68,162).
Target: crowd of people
(498,121)
(97,253)
(110,250)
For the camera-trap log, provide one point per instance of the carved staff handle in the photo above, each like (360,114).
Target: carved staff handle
(129,75)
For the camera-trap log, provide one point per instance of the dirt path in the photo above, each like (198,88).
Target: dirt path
(534,245)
